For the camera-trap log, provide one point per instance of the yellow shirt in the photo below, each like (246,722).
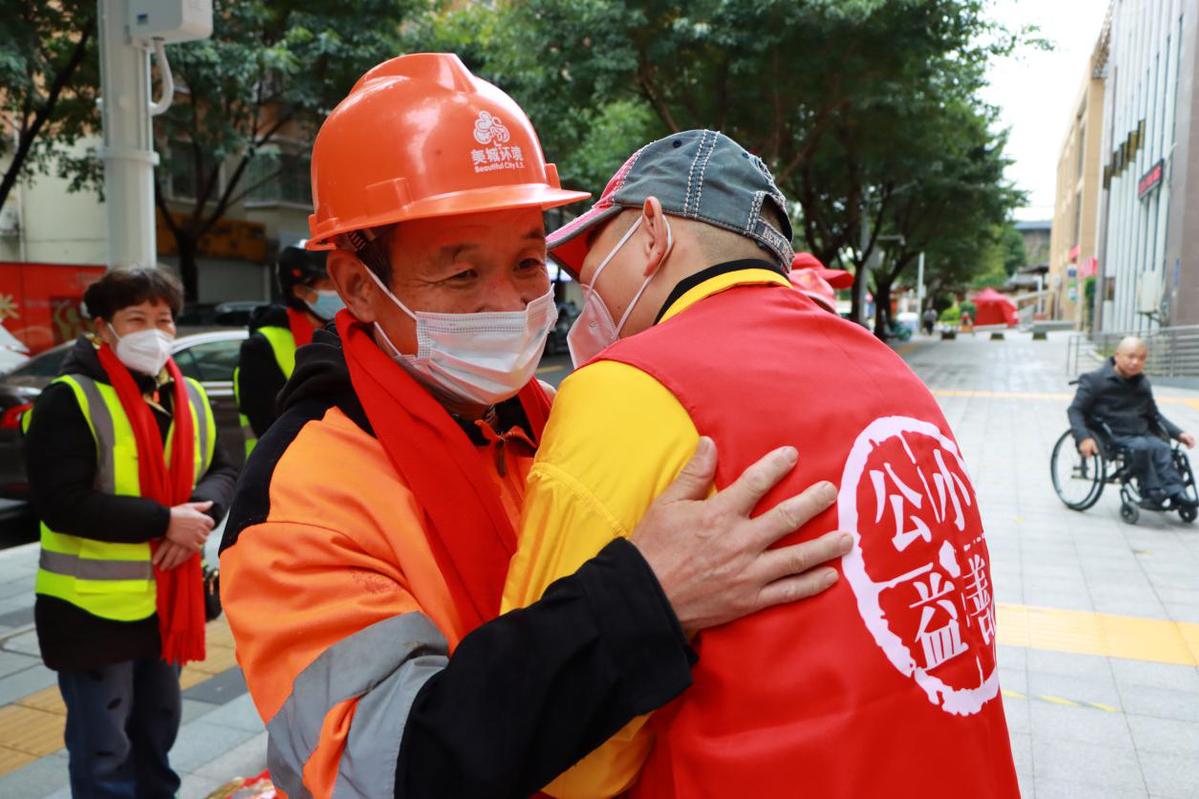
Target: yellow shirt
(615,439)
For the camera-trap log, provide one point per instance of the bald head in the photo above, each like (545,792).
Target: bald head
(1130,356)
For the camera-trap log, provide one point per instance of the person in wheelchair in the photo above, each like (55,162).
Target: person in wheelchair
(1118,396)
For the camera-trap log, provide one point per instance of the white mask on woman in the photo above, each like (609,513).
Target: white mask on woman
(145,351)
(484,358)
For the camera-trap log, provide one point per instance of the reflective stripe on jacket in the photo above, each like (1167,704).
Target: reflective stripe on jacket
(111,580)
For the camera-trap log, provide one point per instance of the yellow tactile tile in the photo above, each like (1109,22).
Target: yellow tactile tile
(219,659)
(219,634)
(1045,395)
(192,676)
(30,730)
(47,699)
(11,760)
(1085,633)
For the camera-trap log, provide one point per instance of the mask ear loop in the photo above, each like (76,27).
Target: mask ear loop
(636,297)
(628,234)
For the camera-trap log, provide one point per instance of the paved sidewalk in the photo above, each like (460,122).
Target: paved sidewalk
(221,736)
(1098,620)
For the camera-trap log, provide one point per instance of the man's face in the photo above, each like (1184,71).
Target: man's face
(1130,361)
(625,273)
(474,263)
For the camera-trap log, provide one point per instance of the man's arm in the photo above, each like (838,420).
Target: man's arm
(1084,398)
(259,382)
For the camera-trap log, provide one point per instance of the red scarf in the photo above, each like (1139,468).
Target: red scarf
(181,590)
(467,528)
(301,326)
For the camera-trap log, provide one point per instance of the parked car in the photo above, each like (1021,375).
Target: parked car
(209,356)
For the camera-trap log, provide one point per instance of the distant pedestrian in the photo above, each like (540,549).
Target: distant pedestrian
(124,518)
(930,320)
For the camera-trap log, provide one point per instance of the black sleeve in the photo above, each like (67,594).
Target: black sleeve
(1159,420)
(1083,399)
(60,457)
(259,381)
(527,695)
(218,484)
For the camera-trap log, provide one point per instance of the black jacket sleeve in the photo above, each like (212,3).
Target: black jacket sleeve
(259,381)
(60,457)
(1084,398)
(527,695)
(1158,419)
(217,484)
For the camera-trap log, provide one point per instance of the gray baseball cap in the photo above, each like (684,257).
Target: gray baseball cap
(697,174)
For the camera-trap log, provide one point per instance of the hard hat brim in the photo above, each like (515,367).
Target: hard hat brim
(472,201)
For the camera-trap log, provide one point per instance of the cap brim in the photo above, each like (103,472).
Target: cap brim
(837,278)
(568,244)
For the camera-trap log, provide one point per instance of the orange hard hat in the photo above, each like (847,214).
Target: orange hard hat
(815,288)
(419,136)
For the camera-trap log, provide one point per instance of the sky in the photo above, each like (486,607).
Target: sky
(1035,91)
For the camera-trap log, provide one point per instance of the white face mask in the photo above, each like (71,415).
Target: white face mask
(326,306)
(593,331)
(145,351)
(482,358)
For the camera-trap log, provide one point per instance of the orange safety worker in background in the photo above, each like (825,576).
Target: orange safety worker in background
(365,555)
(885,685)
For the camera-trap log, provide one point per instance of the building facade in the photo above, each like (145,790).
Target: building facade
(1149,179)
(1072,251)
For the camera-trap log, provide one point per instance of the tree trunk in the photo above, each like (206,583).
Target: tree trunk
(882,308)
(855,312)
(188,274)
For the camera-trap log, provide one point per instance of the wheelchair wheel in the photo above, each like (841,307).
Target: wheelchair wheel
(1078,481)
(1188,514)
(1129,512)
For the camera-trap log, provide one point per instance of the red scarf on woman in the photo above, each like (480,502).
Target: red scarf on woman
(467,528)
(301,326)
(181,590)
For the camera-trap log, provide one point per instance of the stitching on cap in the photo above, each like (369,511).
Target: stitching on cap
(755,211)
(690,176)
(704,170)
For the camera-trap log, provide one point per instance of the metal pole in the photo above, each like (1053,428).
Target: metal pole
(920,283)
(863,278)
(128,151)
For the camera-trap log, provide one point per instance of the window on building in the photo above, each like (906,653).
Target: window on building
(179,168)
(275,175)
(1109,289)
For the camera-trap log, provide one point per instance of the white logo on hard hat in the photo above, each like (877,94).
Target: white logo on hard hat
(490,130)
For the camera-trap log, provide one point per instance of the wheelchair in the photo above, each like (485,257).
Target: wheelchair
(1079,481)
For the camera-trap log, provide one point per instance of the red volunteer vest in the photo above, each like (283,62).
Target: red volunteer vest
(886,685)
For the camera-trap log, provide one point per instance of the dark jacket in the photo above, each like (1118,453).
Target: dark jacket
(526,695)
(259,378)
(60,455)
(1125,406)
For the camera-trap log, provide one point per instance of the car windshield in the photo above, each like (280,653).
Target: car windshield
(45,365)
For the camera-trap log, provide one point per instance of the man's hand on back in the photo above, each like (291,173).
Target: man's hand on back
(713,560)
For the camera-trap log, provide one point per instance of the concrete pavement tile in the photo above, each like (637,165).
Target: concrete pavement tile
(1077,689)
(12,662)
(1017,713)
(1164,735)
(25,642)
(1155,675)
(200,742)
(1059,789)
(246,760)
(196,786)
(1162,703)
(219,689)
(1083,724)
(1076,764)
(1146,608)
(1092,666)
(23,683)
(1026,783)
(193,710)
(1022,751)
(1183,611)
(1171,775)
(1063,601)
(239,713)
(1013,680)
(41,777)
(1012,657)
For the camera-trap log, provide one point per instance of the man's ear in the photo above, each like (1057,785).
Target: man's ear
(656,234)
(353,284)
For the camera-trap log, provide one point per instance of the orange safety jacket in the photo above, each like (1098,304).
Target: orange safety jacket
(344,622)
(887,684)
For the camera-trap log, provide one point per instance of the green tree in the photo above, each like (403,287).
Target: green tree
(48,80)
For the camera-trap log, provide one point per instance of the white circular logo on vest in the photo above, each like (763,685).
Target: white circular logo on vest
(919,567)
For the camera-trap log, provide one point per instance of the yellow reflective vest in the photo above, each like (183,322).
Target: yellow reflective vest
(110,580)
(283,345)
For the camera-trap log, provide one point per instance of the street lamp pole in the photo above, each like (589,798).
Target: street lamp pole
(920,283)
